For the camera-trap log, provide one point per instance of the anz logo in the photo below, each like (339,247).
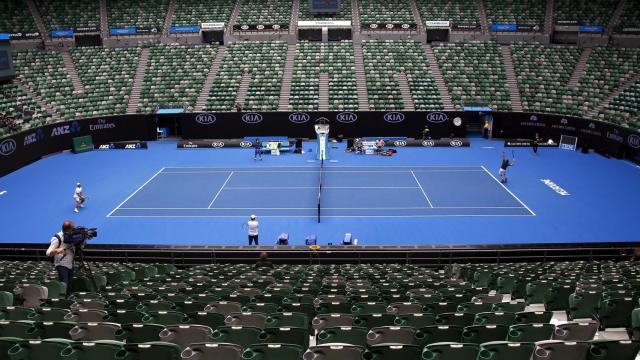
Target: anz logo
(252,118)
(455,143)
(437,117)
(34,137)
(533,118)
(66,129)
(634,141)
(347,117)
(394,117)
(205,119)
(7,147)
(246,144)
(592,126)
(299,118)
(400,143)
(428,143)
(217,144)
(564,121)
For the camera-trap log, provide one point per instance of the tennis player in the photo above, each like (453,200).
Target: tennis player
(252,229)
(79,197)
(257,155)
(535,143)
(504,166)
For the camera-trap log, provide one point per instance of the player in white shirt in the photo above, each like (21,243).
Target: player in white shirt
(79,197)
(252,227)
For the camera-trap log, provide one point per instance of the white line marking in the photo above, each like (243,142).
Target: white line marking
(135,192)
(3,192)
(421,189)
(315,187)
(314,216)
(350,166)
(287,208)
(220,190)
(337,171)
(509,191)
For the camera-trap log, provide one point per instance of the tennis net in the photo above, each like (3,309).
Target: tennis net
(320,188)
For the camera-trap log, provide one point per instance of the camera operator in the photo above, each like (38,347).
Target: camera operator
(63,255)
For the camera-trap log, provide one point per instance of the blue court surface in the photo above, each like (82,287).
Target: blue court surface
(420,196)
(420,191)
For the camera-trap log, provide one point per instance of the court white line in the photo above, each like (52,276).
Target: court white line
(290,208)
(349,166)
(315,187)
(135,192)
(509,191)
(314,216)
(337,171)
(220,190)
(421,189)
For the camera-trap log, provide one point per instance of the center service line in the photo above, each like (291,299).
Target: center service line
(219,191)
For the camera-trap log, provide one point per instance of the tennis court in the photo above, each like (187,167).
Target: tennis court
(421,191)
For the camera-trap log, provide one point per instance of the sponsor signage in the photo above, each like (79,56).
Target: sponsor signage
(261,27)
(466,27)
(65,33)
(553,186)
(7,147)
(324,24)
(437,117)
(597,29)
(390,26)
(299,118)
(123,145)
(66,129)
(122,31)
(630,30)
(88,29)
(346,117)
(205,119)
(101,124)
(212,26)
(252,118)
(633,140)
(504,27)
(184,29)
(394,117)
(438,24)
(526,143)
(34,137)
(444,142)
(4,36)
(24,35)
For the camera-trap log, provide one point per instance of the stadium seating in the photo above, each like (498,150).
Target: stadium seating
(107,76)
(344,14)
(624,109)
(630,17)
(257,12)
(15,17)
(26,113)
(474,73)
(521,12)
(334,59)
(174,76)
(141,14)
(458,12)
(543,73)
(384,60)
(194,13)
(385,11)
(72,14)
(596,12)
(264,65)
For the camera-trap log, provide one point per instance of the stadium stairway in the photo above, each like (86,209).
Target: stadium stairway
(603,105)
(416,15)
(405,91)
(361,78)
(104,23)
(208,82)
(78,87)
(39,22)
(171,9)
(443,90)
(323,91)
(548,18)
(243,89)
(574,80)
(43,105)
(234,15)
(512,81)
(483,16)
(615,18)
(355,16)
(295,13)
(285,90)
(134,98)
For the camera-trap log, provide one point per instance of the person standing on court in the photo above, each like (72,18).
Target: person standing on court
(257,154)
(252,228)
(79,197)
(534,144)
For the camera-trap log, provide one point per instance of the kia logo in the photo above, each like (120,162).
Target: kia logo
(406,26)
(7,147)
(346,117)
(533,118)
(252,118)
(205,119)
(634,141)
(400,143)
(437,117)
(373,26)
(244,27)
(393,117)
(260,27)
(455,143)
(428,143)
(389,26)
(246,144)
(299,118)
(217,144)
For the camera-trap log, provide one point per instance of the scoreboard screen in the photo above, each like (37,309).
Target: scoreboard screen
(6,64)
(324,6)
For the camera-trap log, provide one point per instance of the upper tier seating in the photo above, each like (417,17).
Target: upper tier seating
(607,68)
(69,14)
(175,75)
(145,14)
(23,110)
(592,12)
(521,12)
(345,14)
(384,60)
(197,12)
(107,76)
(624,109)
(474,73)
(385,11)
(15,17)
(259,12)
(458,12)
(263,62)
(630,17)
(543,73)
(334,59)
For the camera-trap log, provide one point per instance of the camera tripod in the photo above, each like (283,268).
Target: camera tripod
(85,267)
